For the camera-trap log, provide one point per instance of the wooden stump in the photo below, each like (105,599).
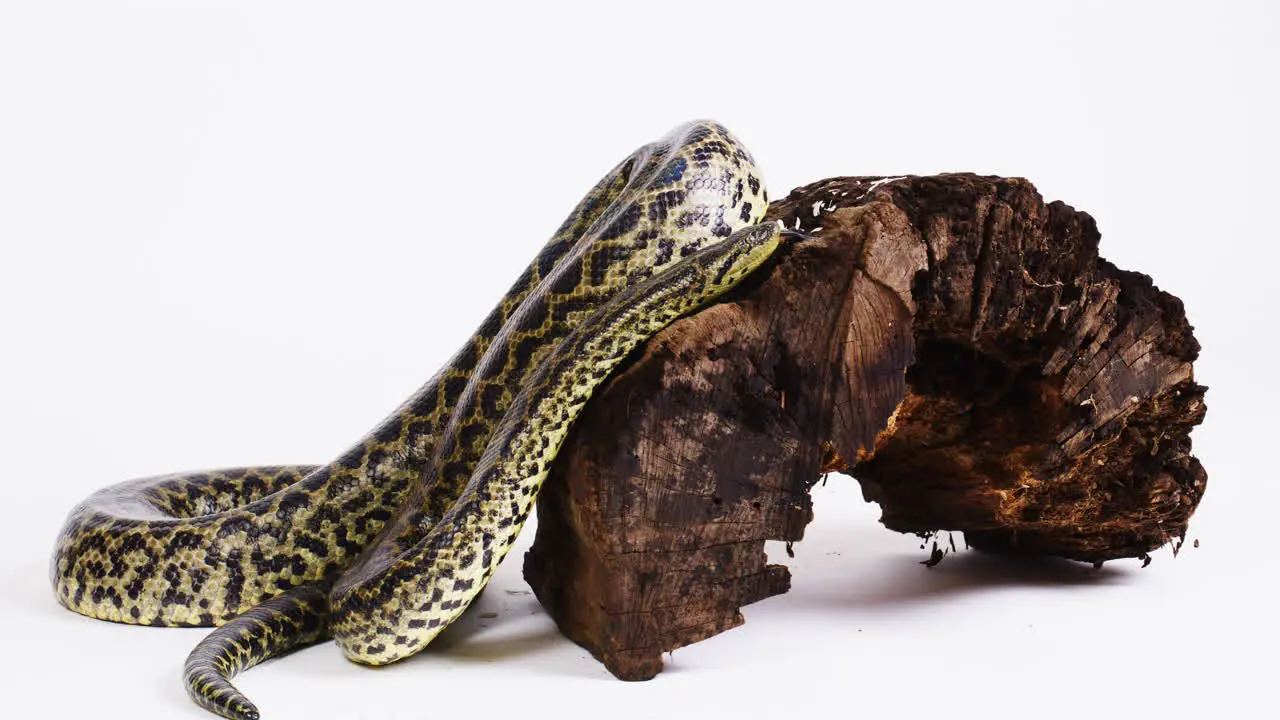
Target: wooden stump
(953,342)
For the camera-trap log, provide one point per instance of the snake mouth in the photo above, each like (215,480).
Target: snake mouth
(795,236)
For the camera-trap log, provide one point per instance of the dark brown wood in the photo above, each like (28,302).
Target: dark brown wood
(953,342)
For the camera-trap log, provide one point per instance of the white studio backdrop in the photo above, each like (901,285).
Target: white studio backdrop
(242,232)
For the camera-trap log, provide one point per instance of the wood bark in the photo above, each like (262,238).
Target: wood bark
(953,342)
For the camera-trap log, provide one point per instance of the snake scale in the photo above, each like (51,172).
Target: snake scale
(385,546)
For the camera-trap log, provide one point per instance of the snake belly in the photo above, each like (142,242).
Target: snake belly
(202,549)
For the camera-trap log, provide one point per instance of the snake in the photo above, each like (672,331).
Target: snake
(384,547)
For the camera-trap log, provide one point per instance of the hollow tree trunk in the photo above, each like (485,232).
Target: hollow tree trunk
(953,342)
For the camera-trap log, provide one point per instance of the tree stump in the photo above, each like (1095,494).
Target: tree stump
(953,342)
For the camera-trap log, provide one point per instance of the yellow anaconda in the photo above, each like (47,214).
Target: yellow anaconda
(385,546)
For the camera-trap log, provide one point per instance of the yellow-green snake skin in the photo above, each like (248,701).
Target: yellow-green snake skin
(384,547)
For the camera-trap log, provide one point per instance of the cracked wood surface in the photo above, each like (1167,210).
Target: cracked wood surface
(953,342)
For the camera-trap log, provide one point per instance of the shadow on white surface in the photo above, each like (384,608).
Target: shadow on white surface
(882,584)
(849,563)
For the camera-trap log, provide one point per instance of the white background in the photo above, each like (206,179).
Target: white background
(240,233)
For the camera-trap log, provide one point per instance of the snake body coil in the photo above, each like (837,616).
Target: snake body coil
(389,543)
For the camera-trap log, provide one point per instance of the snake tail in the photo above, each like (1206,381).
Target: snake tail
(284,623)
(460,554)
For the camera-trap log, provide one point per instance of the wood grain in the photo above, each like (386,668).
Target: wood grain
(954,342)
